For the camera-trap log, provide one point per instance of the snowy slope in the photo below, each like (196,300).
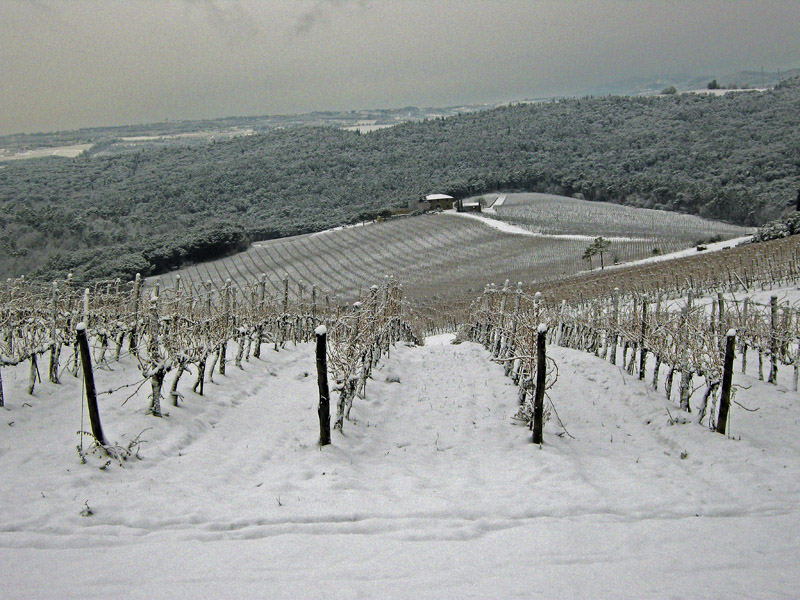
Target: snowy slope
(433,491)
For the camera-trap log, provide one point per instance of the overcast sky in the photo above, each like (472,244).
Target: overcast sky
(80,63)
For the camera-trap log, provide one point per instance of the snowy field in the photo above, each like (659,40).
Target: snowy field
(433,491)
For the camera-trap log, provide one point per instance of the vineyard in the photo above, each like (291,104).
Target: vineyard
(647,336)
(427,442)
(179,329)
(556,215)
(440,257)
(649,311)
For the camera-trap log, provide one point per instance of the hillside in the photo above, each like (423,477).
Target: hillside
(441,257)
(433,490)
(732,157)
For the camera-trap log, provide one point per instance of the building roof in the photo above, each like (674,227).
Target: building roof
(438,197)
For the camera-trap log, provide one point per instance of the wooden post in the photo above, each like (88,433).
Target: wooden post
(498,345)
(137,291)
(324,410)
(642,348)
(55,349)
(612,347)
(744,336)
(91,393)
(260,315)
(773,341)
(541,381)
(686,375)
(727,377)
(285,315)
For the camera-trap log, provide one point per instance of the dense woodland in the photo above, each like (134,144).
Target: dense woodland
(733,157)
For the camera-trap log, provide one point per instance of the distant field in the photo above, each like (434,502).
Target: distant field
(441,256)
(549,214)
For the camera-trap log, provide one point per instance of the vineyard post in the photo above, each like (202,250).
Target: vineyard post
(34,372)
(157,367)
(541,373)
(512,366)
(88,377)
(561,323)
(642,348)
(633,343)
(686,376)
(284,316)
(324,409)
(2,401)
(86,307)
(499,341)
(657,366)
(262,290)
(773,340)
(743,349)
(55,348)
(137,290)
(484,331)
(314,306)
(299,335)
(612,350)
(226,318)
(720,315)
(117,318)
(727,377)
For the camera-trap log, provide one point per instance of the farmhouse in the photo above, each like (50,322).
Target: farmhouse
(431,202)
(470,205)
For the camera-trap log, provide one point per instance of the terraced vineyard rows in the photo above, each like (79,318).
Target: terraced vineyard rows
(435,256)
(557,215)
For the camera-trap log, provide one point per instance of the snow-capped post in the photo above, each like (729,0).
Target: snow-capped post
(727,377)
(612,338)
(88,377)
(720,315)
(498,343)
(773,341)
(541,381)
(512,365)
(324,409)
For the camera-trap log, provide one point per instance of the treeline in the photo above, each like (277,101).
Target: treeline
(732,157)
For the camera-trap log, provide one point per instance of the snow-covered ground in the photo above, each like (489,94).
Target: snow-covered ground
(517,230)
(433,491)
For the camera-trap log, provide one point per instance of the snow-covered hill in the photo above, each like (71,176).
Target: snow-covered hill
(433,490)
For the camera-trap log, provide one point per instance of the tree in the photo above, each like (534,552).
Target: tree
(601,246)
(713,85)
(588,254)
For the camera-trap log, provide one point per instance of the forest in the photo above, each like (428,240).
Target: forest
(733,157)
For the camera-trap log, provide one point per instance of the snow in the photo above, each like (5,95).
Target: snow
(321,330)
(713,247)
(516,230)
(432,491)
